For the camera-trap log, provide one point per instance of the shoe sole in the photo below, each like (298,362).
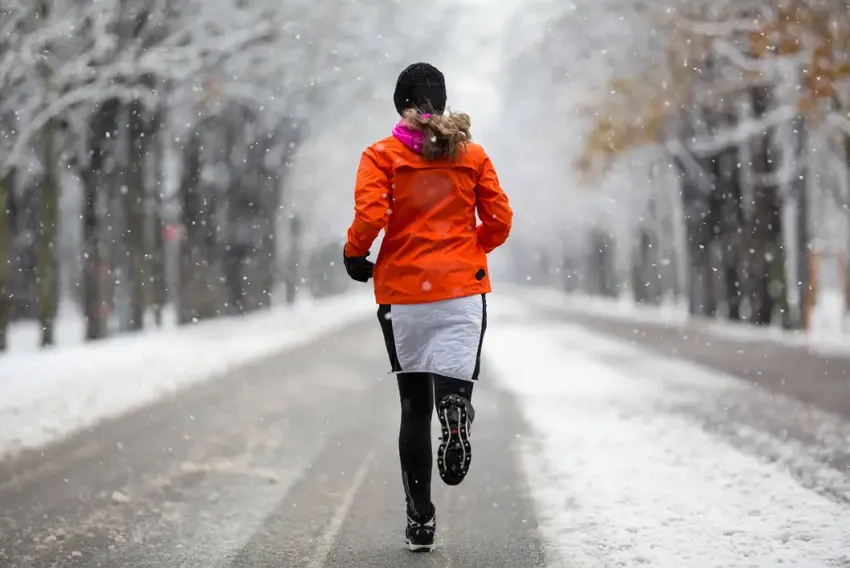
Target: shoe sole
(455,452)
(420,547)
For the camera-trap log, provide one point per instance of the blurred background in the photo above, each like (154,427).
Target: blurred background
(189,378)
(169,161)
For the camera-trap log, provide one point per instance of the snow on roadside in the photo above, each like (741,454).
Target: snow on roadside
(69,329)
(618,483)
(48,395)
(826,342)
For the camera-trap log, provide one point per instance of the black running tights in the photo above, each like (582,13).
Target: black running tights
(418,393)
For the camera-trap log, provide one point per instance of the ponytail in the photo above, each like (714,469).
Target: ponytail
(445,134)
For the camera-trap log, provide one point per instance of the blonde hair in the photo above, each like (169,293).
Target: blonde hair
(445,134)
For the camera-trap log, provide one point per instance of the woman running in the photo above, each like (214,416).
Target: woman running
(423,186)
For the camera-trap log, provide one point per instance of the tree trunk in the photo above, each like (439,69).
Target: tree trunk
(728,230)
(705,282)
(846,143)
(47,272)
(134,211)
(250,223)
(268,254)
(778,287)
(92,261)
(234,264)
(640,269)
(295,253)
(47,276)
(765,231)
(765,264)
(5,301)
(160,291)
(102,125)
(190,261)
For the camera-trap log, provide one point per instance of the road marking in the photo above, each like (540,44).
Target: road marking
(328,539)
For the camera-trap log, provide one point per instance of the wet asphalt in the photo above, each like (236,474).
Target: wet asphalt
(288,462)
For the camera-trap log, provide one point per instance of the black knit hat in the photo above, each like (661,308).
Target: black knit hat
(422,86)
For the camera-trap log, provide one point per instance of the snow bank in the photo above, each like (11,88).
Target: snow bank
(69,329)
(826,338)
(50,394)
(619,482)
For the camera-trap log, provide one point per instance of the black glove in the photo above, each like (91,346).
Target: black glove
(358,267)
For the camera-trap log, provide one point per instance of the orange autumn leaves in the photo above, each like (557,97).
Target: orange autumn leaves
(630,116)
(819,31)
(632,113)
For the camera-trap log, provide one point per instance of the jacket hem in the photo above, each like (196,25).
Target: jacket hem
(390,299)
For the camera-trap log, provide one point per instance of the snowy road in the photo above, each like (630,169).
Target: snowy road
(290,462)
(590,450)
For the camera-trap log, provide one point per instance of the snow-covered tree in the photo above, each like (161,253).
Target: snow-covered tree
(748,102)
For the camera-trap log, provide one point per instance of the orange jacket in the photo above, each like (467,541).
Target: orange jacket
(432,249)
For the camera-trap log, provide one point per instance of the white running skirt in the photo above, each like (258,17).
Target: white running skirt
(438,337)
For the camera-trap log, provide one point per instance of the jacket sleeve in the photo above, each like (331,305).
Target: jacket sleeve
(493,208)
(371,202)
